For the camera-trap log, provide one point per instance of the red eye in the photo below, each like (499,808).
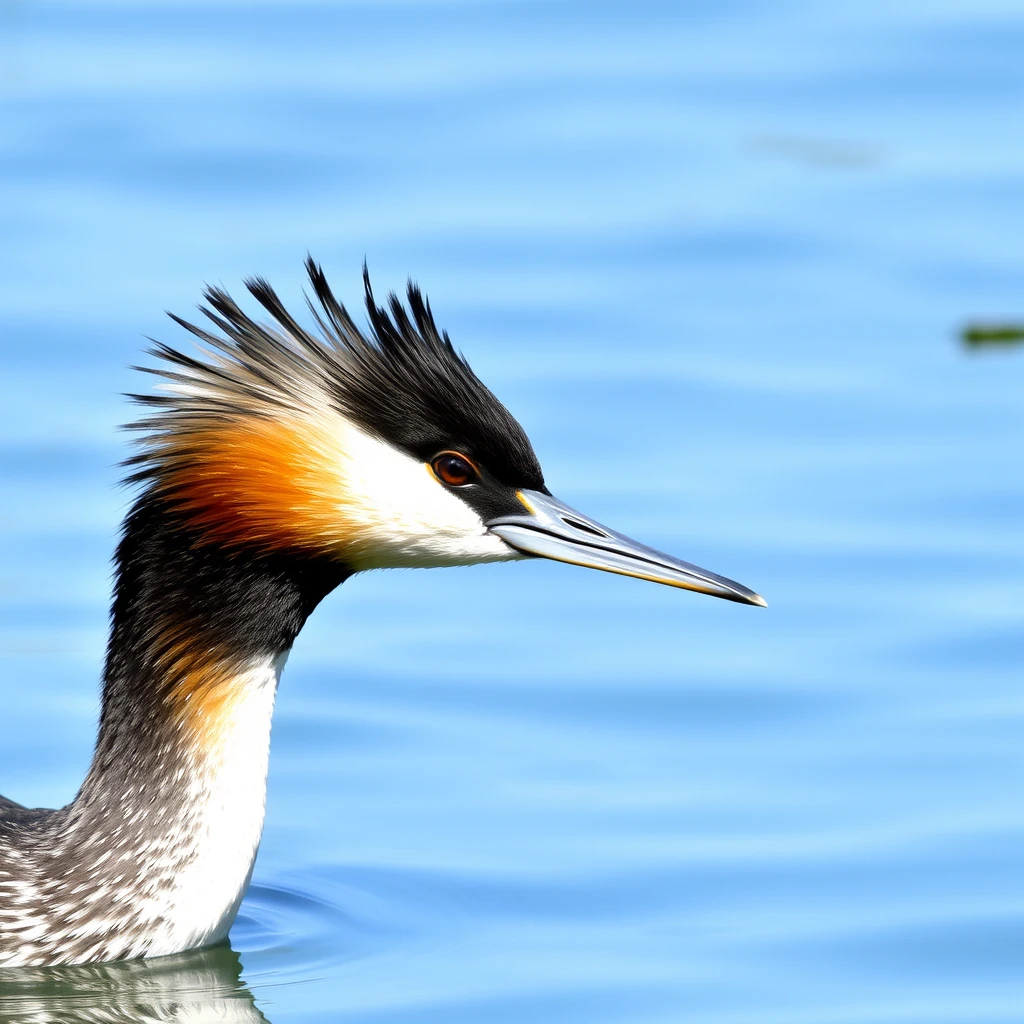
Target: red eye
(453,469)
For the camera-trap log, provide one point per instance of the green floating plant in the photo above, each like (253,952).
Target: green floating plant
(980,335)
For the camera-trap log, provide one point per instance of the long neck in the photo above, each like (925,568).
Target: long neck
(186,618)
(168,820)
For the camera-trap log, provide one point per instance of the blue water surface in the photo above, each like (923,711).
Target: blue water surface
(716,258)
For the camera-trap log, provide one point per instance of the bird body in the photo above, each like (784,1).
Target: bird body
(271,467)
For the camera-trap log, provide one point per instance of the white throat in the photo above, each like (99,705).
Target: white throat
(227,796)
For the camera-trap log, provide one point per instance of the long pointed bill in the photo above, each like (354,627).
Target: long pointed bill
(550,529)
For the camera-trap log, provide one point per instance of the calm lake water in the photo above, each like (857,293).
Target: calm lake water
(716,258)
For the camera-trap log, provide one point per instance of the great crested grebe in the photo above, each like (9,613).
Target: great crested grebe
(276,463)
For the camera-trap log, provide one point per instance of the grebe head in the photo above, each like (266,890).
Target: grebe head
(375,450)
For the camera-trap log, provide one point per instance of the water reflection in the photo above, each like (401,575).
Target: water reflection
(204,985)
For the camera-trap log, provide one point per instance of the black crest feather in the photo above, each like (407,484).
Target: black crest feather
(402,381)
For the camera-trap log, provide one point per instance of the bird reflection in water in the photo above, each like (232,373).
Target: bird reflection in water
(199,986)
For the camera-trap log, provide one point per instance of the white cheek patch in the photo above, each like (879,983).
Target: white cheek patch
(399,516)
